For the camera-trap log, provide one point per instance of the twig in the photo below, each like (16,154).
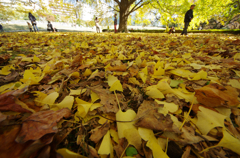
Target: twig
(187,114)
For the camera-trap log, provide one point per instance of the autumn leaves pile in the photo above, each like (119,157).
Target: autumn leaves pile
(135,95)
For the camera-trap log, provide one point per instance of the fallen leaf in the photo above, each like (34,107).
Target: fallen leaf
(69,154)
(148,117)
(214,95)
(41,123)
(106,147)
(99,132)
(209,119)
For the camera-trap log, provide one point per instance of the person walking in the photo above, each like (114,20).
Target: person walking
(97,25)
(115,23)
(33,21)
(49,27)
(188,18)
(30,27)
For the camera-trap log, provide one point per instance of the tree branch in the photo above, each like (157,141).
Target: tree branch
(131,2)
(117,1)
(114,8)
(136,7)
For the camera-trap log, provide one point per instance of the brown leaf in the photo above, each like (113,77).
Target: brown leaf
(41,123)
(99,132)
(7,101)
(188,136)
(150,118)
(12,77)
(77,61)
(2,117)
(133,71)
(108,100)
(100,74)
(122,68)
(214,95)
(236,112)
(8,146)
(33,150)
(119,148)
(186,152)
(4,59)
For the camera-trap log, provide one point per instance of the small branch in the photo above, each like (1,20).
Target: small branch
(117,1)
(114,8)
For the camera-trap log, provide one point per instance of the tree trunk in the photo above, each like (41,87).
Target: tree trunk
(124,12)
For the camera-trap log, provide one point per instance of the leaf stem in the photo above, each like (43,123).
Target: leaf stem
(187,114)
(124,149)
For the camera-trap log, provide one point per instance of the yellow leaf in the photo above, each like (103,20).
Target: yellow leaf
(127,129)
(237,73)
(69,154)
(77,92)
(171,107)
(94,97)
(29,77)
(83,107)
(152,143)
(87,72)
(187,55)
(138,61)
(191,76)
(165,88)
(114,83)
(198,76)
(209,119)
(75,75)
(67,102)
(106,147)
(145,70)
(159,72)
(50,99)
(96,71)
(234,83)
(26,59)
(229,142)
(133,80)
(6,70)
(84,45)
(143,76)
(6,86)
(95,106)
(39,98)
(129,115)
(114,135)
(36,59)
(154,93)
(133,137)
(47,69)
(236,56)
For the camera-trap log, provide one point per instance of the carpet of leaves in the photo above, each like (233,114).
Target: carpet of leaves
(119,95)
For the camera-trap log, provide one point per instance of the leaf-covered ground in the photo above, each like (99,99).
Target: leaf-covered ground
(118,95)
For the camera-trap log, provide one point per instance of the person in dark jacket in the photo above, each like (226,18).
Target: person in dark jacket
(115,23)
(33,21)
(49,27)
(187,19)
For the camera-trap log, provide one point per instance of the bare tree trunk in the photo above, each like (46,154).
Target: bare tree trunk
(124,13)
